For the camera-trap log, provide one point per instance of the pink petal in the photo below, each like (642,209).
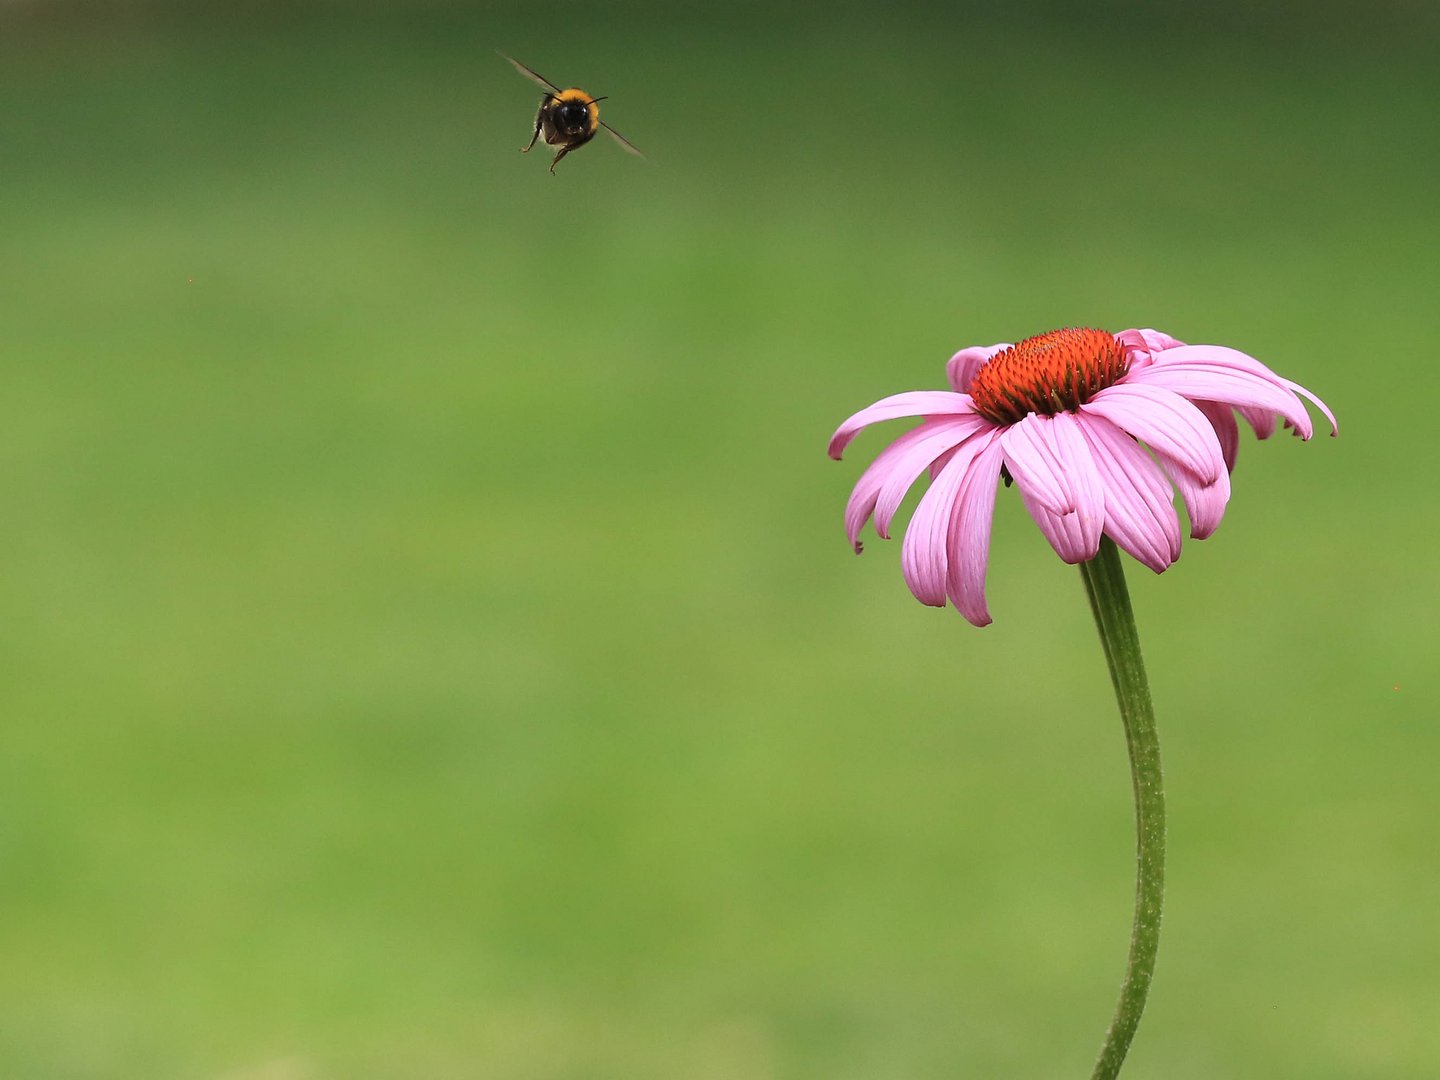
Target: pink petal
(1165,420)
(891,464)
(911,403)
(1151,341)
(1261,421)
(1235,360)
(1145,345)
(940,437)
(1330,416)
(1204,503)
(923,554)
(1034,463)
(965,363)
(1218,356)
(1222,419)
(1058,460)
(1216,373)
(1214,383)
(940,462)
(1139,502)
(969,541)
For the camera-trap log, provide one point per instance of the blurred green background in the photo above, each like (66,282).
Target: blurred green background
(430,648)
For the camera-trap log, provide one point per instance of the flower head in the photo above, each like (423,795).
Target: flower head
(1097,431)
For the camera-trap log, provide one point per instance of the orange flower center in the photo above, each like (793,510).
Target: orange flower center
(1054,372)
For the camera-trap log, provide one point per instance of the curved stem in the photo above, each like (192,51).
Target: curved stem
(1110,603)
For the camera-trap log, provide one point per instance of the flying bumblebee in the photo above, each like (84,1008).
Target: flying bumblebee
(567,118)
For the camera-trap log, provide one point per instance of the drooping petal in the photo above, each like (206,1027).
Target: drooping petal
(940,462)
(1139,502)
(1234,388)
(969,540)
(893,461)
(942,435)
(910,403)
(1261,421)
(1260,415)
(1219,356)
(1031,459)
(1325,409)
(1057,459)
(1166,421)
(1216,373)
(1222,419)
(923,553)
(963,365)
(1062,531)
(1204,503)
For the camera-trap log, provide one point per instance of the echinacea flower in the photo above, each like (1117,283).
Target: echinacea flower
(1097,431)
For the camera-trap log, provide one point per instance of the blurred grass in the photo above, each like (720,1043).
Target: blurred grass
(430,649)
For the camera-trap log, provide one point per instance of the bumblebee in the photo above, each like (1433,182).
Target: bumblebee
(567,118)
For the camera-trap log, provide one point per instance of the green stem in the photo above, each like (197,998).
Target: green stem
(1110,602)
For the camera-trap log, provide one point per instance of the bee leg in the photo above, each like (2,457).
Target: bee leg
(556,160)
(534,135)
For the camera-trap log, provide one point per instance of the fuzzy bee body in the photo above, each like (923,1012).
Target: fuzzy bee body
(566,118)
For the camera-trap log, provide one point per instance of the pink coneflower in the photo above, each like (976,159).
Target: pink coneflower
(1096,430)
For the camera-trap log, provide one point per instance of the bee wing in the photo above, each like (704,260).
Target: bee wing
(622,140)
(535,76)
